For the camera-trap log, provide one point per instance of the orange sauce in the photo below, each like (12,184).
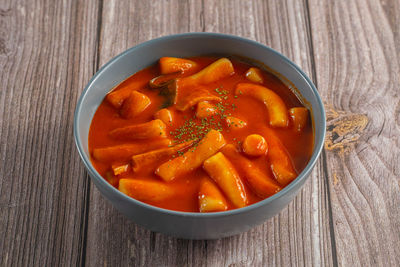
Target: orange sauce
(299,145)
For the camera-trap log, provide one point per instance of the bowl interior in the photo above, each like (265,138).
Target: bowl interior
(186,45)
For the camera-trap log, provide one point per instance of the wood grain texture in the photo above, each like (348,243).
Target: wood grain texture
(348,212)
(299,235)
(47,53)
(356,50)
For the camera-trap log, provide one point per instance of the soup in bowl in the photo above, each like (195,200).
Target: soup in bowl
(199,135)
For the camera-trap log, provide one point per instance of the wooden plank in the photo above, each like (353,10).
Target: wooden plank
(46,57)
(300,235)
(356,48)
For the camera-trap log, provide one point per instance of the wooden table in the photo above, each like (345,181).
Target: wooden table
(348,213)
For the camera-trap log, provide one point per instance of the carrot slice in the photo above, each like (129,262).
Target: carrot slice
(151,129)
(255,145)
(188,98)
(261,183)
(215,71)
(126,151)
(193,158)
(205,109)
(254,75)
(117,97)
(120,169)
(210,197)
(235,123)
(281,163)
(135,104)
(174,64)
(277,111)
(224,174)
(165,115)
(145,190)
(146,160)
(299,117)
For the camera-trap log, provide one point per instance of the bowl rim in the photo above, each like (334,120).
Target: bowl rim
(299,179)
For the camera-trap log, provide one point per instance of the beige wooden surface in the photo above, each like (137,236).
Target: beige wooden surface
(347,214)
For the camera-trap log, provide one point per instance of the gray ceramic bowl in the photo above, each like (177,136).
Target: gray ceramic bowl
(186,224)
